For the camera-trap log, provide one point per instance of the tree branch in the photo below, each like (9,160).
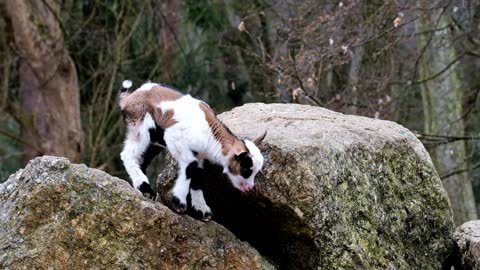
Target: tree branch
(18,140)
(460,171)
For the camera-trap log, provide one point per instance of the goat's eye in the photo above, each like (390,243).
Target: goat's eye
(246,171)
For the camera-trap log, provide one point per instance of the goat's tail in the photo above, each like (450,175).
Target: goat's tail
(125,91)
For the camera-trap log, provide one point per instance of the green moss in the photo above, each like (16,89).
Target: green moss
(394,215)
(69,216)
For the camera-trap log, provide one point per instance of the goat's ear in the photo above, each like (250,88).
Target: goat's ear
(258,139)
(241,156)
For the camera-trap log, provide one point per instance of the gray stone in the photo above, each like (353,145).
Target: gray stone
(58,215)
(336,192)
(467,239)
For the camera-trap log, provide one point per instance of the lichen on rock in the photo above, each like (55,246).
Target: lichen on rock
(336,192)
(54,214)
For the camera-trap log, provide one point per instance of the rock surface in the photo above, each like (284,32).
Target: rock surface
(57,215)
(467,239)
(336,192)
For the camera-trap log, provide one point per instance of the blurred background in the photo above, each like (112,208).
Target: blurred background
(413,62)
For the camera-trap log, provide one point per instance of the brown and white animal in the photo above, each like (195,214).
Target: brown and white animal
(158,117)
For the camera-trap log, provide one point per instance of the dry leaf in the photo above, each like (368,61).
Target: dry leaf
(296,92)
(397,22)
(241,27)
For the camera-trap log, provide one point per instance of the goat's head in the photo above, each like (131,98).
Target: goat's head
(244,164)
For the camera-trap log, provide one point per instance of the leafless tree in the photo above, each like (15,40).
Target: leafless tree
(49,111)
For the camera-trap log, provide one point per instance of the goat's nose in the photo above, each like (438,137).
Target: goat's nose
(246,186)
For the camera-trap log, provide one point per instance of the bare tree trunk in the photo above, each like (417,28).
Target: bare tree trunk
(168,12)
(470,65)
(48,80)
(442,101)
(353,76)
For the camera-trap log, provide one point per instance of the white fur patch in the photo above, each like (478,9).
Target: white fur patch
(191,132)
(198,201)
(138,139)
(257,156)
(147,86)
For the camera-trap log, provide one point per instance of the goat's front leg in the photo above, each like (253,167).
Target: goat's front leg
(177,146)
(197,176)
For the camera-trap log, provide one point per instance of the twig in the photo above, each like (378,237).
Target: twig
(435,136)
(297,77)
(458,58)
(19,140)
(460,171)
(431,140)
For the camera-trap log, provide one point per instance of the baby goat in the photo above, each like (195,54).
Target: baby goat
(159,117)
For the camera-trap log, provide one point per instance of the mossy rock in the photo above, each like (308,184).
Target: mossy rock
(467,245)
(336,192)
(58,215)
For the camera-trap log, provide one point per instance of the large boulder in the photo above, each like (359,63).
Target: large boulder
(467,242)
(57,215)
(336,192)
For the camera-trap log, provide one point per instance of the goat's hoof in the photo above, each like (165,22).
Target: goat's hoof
(147,191)
(203,216)
(178,206)
(207,216)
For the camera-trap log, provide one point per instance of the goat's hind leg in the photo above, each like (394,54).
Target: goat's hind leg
(197,175)
(180,189)
(132,155)
(150,153)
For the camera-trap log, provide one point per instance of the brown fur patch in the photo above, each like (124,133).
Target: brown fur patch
(138,103)
(234,165)
(231,145)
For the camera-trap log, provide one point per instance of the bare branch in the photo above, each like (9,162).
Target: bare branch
(460,171)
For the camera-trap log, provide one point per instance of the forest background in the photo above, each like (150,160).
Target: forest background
(417,63)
